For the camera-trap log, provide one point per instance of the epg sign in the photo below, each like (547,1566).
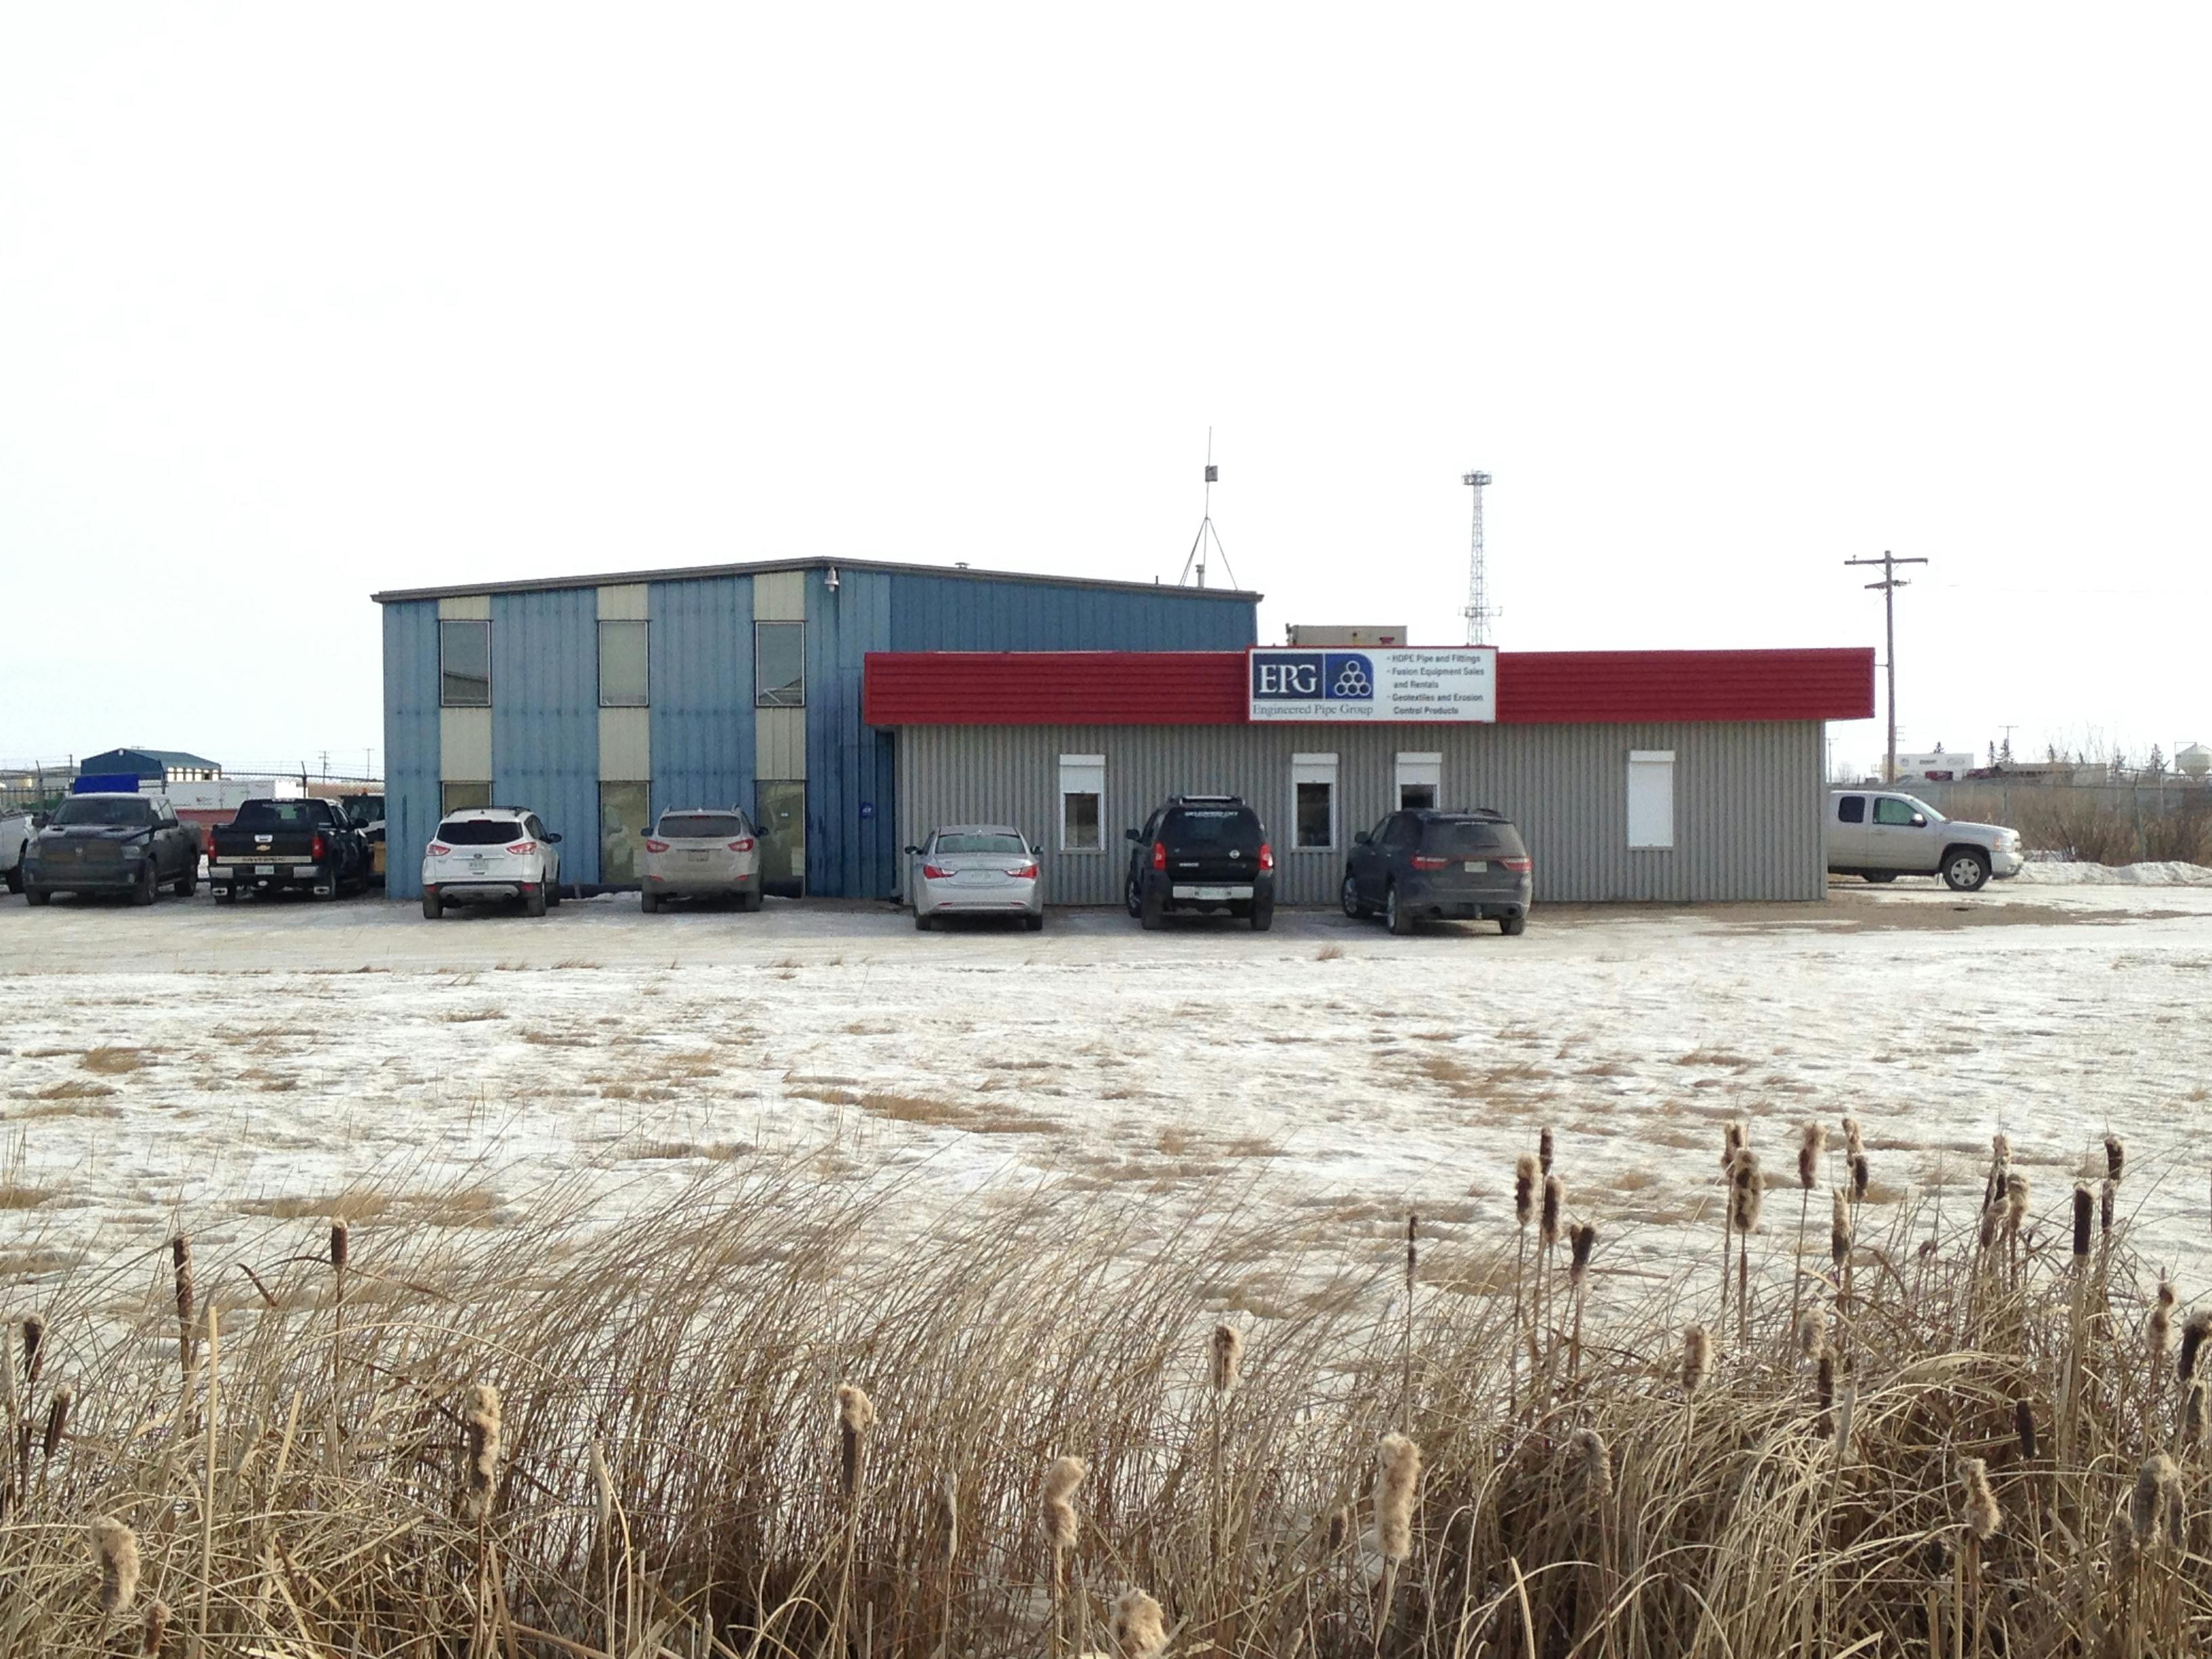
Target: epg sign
(1397,682)
(1312,677)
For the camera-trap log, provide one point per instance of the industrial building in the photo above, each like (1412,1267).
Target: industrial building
(599,700)
(1675,776)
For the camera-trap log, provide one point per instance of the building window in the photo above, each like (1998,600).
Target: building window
(1083,802)
(461,797)
(622,663)
(779,665)
(623,811)
(1651,798)
(1419,776)
(1313,804)
(465,665)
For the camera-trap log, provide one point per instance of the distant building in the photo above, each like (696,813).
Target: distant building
(1343,639)
(1939,765)
(151,766)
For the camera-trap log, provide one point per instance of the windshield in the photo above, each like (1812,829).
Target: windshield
(279,815)
(703,826)
(479,832)
(1469,838)
(1213,826)
(1009,846)
(109,812)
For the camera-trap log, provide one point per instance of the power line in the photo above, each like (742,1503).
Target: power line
(1890,582)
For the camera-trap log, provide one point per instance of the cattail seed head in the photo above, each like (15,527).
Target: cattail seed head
(1980,1512)
(1592,1464)
(1824,1380)
(2193,1338)
(1846,1402)
(1746,1192)
(2193,1413)
(1697,1360)
(1811,1333)
(1555,1200)
(2107,1201)
(1860,1172)
(57,1413)
(480,1425)
(1140,1627)
(1812,1141)
(1525,1177)
(2158,1328)
(856,1415)
(2085,1216)
(1582,1237)
(1839,1229)
(1412,1251)
(115,1547)
(1544,1151)
(1340,1526)
(1061,1479)
(2156,1477)
(1992,1219)
(34,1347)
(2023,1428)
(341,1244)
(2016,1192)
(1854,1138)
(2116,1158)
(180,1262)
(1936,1555)
(157,1628)
(948,1522)
(1228,1356)
(1733,1140)
(1397,1479)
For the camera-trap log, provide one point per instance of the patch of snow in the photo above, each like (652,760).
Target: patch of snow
(2166,873)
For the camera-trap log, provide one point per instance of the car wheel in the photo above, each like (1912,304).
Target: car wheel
(553,894)
(147,889)
(1133,899)
(534,900)
(649,902)
(36,895)
(188,883)
(1352,907)
(1263,915)
(1034,924)
(1151,911)
(921,923)
(1399,920)
(1965,868)
(1881,875)
(1513,926)
(433,906)
(749,901)
(16,879)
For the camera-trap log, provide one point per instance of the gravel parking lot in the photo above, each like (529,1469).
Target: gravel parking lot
(191,1065)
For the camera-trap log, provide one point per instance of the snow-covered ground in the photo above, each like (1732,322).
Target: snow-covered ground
(195,1062)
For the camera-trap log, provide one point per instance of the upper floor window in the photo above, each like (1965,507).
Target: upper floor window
(623,647)
(464,664)
(779,665)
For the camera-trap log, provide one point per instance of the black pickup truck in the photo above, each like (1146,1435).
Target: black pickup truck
(112,844)
(307,846)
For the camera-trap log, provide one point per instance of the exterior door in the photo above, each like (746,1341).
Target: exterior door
(1847,831)
(782,820)
(1900,836)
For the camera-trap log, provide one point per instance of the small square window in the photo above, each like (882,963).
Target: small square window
(779,665)
(1313,801)
(623,647)
(464,664)
(1314,815)
(462,797)
(1082,803)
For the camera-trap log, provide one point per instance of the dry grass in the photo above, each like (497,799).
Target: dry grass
(72,1089)
(113,1062)
(470,1016)
(1329,953)
(668,1452)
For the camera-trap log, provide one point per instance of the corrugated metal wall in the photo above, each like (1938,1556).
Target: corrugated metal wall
(411,741)
(701,678)
(1748,798)
(545,716)
(851,766)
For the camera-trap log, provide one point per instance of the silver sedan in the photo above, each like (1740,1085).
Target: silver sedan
(974,870)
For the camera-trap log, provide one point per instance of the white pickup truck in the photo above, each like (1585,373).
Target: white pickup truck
(1881,834)
(16,830)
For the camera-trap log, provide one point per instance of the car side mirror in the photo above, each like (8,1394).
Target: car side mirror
(1361,838)
(552,839)
(914,852)
(1132,835)
(1919,821)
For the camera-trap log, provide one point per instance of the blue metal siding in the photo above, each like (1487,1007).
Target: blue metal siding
(410,742)
(850,764)
(701,675)
(545,716)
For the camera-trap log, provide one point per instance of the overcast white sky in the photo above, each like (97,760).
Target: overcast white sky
(297,302)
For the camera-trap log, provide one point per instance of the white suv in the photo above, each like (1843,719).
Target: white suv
(487,854)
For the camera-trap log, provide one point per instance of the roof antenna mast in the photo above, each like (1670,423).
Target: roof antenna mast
(1478,613)
(1196,561)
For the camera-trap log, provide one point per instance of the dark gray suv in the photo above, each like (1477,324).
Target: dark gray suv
(1436,866)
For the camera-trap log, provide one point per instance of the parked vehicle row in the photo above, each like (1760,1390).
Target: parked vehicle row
(1195,855)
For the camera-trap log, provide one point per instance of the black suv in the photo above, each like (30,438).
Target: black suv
(1423,866)
(1203,852)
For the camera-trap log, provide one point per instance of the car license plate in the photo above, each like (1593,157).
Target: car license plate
(1476,867)
(475,866)
(264,869)
(1219,893)
(699,855)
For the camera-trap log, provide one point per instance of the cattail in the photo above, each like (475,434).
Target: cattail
(115,1547)
(1697,1360)
(2156,1477)
(1582,1237)
(2015,1190)
(181,1258)
(2116,1158)
(2122,1539)
(1980,1513)
(1747,1192)
(1732,1142)
(948,1522)
(1340,1526)
(1544,1151)
(57,1411)
(2085,1213)
(1824,1380)
(1846,1401)
(2193,1414)
(1936,1555)
(1811,1333)
(1412,1250)
(1992,1218)
(2176,1505)
(2107,1197)
(2023,1428)
(856,1415)
(1810,1143)
(2193,1338)
(1061,1480)
(1525,1177)
(481,1423)
(157,1628)
(1555,1200)
(1397,1475)
(341,1244)
(34,1346)
(1140,1627)
(1854,1140)
(2158,1329)
(1859,1174)
(1592,1464)
(1228,1357)
(1839,1229)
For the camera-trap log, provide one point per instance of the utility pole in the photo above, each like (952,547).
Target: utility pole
(1889,584)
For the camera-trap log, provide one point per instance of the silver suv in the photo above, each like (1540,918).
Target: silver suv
(1883,835)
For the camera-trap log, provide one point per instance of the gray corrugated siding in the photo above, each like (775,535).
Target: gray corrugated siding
(1747,798)
(701,674)
(410,742)
(545,716)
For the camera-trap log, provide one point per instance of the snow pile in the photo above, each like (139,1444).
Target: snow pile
(2168,874)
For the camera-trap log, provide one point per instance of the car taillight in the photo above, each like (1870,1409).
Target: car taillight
(1267,856)
(438,849)
(1160,855)
(743,844)
(652,846)
(1420,863)
(318,848)
(934,872)
(522,847)
(1518,866)
(1023,872)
